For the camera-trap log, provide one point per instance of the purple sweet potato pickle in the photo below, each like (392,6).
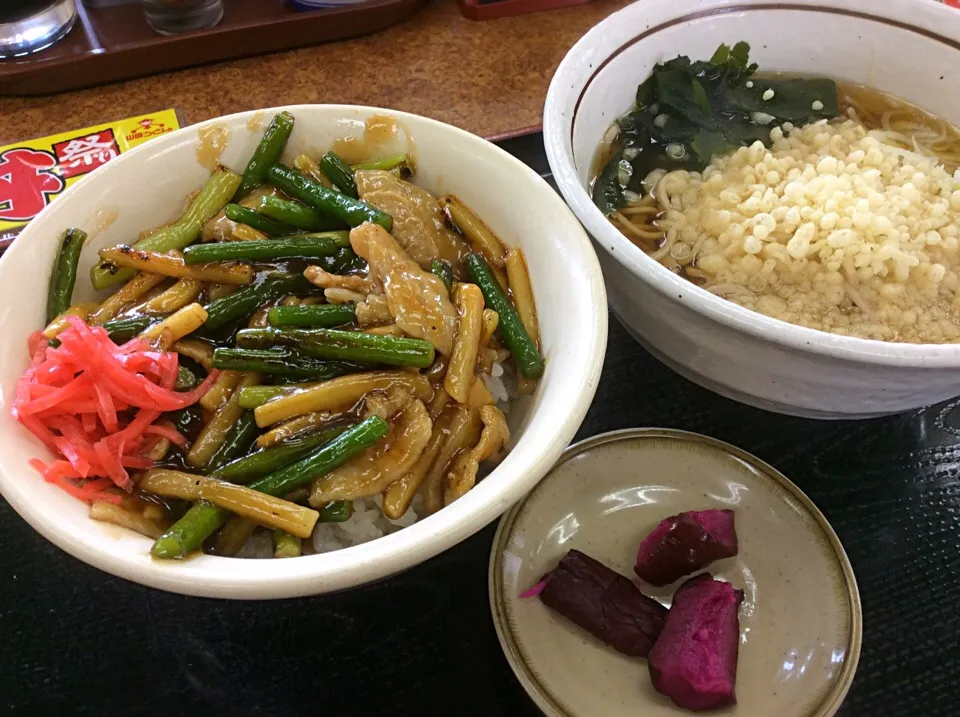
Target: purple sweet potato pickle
(685,543)
(604,603)
(694,661)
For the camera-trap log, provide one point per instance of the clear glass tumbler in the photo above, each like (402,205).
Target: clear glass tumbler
(30,25)
(168,17)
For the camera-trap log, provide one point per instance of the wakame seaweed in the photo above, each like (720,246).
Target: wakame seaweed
(688,112)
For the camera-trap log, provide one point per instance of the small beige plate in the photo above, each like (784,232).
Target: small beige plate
(800,622)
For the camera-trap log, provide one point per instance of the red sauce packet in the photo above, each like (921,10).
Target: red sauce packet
(35,172)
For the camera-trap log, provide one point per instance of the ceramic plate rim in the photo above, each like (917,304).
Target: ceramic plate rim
(834,698)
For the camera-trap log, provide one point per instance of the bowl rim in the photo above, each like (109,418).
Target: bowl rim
(349,567)
(925,18)
(832,700)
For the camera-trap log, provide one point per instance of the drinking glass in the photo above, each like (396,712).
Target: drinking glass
(30,25)
(169,17)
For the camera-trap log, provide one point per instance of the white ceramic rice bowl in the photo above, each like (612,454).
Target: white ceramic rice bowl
(731,350)
(147,186)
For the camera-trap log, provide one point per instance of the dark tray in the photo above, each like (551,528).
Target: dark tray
(115,43)
(79,642)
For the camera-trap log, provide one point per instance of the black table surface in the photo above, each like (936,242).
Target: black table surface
(74,640)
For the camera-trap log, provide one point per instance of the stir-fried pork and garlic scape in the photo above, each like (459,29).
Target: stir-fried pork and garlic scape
(307,358)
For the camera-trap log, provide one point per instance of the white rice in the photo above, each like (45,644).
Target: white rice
(496,386)
(258,545)
(368,521)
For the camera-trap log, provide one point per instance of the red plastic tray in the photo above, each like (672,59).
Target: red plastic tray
(115,43)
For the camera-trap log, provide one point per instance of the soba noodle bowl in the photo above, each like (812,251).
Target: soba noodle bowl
(849,225)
